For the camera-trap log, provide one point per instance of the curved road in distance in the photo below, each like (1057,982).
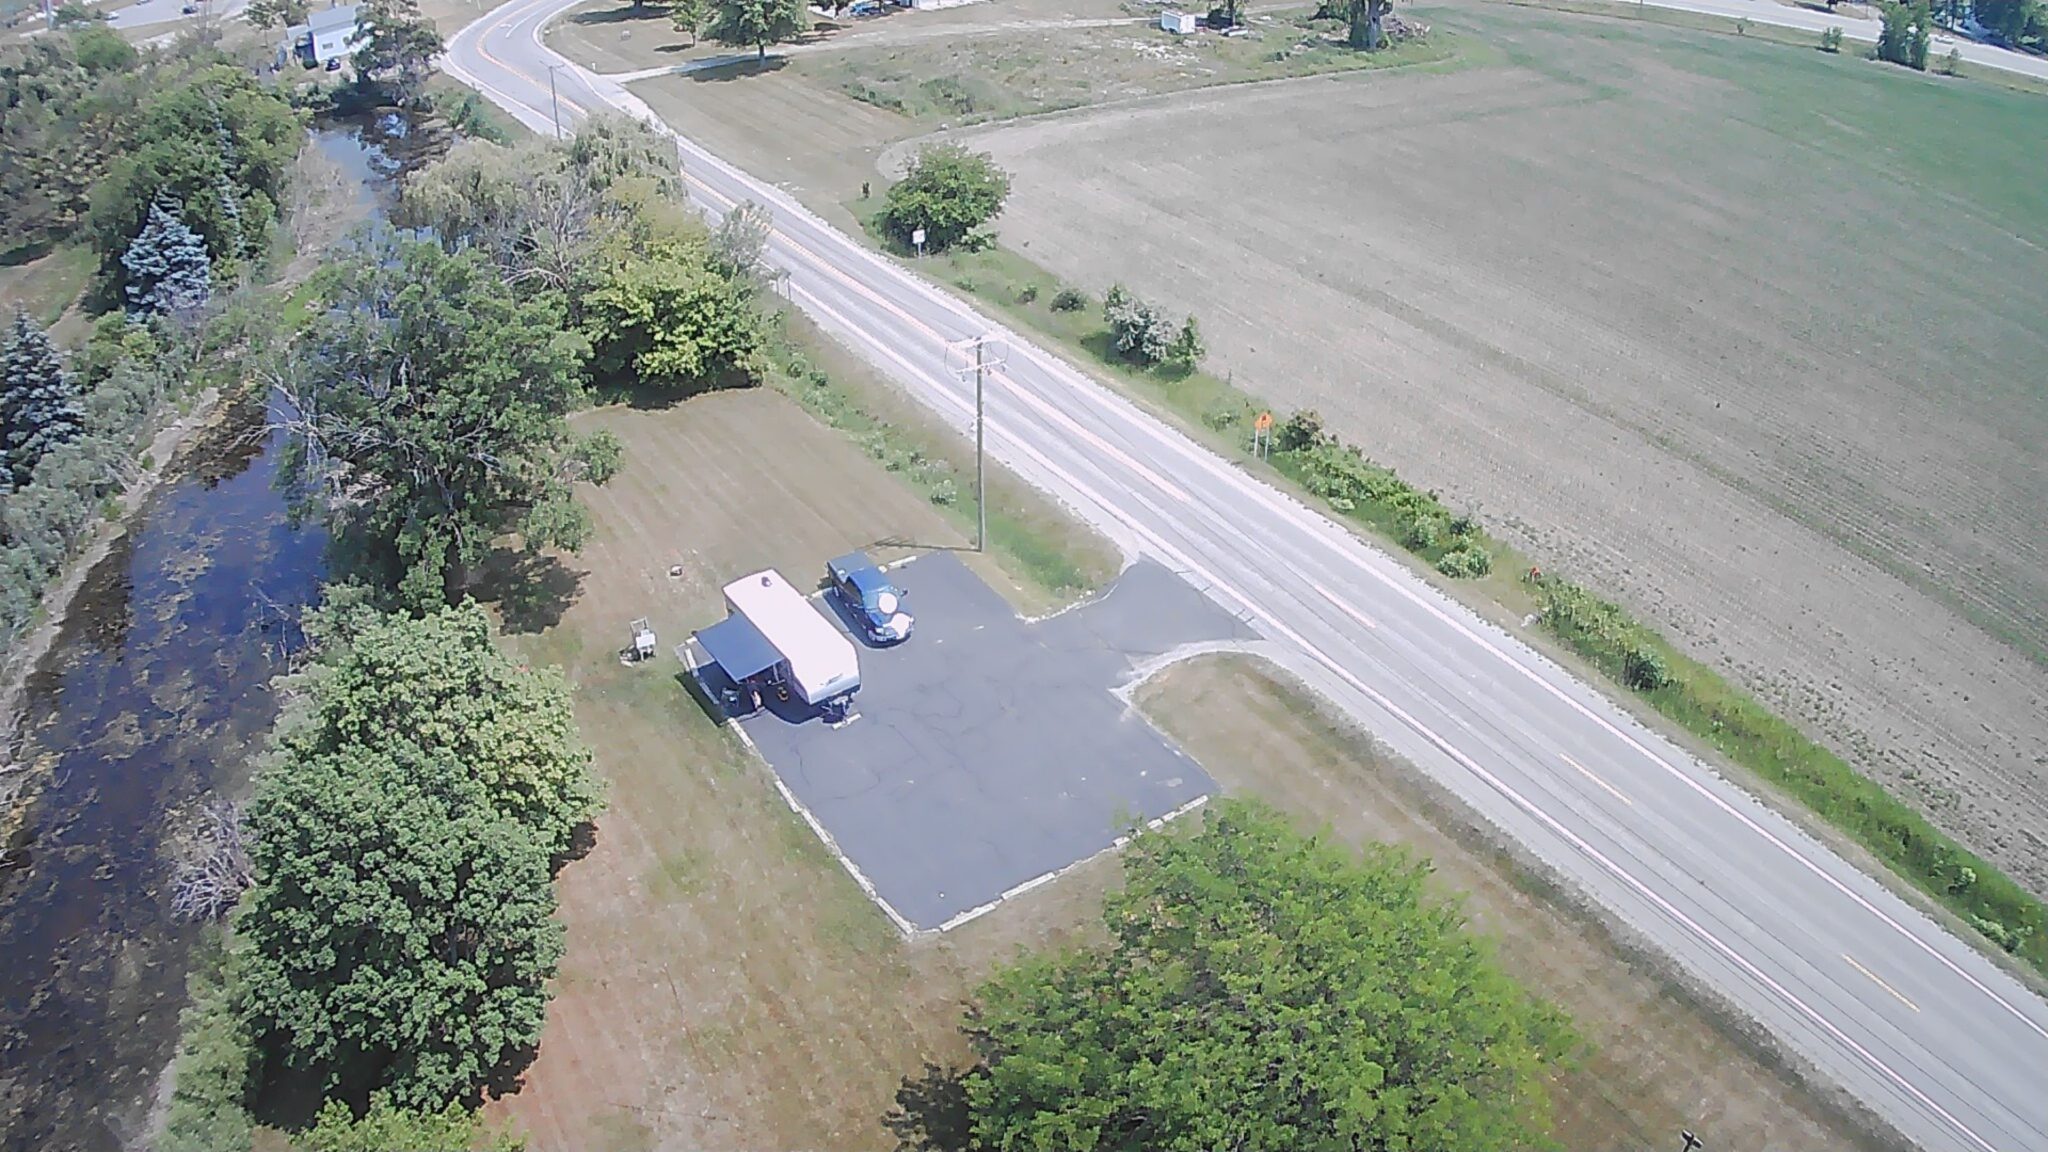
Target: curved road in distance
(1933,1037)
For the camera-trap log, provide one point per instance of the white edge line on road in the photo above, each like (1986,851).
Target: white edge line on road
(1493,781)
(1321,526)
(1300,513)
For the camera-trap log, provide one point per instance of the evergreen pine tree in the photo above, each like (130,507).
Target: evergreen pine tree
(38,402)
(236,246)
(169,272)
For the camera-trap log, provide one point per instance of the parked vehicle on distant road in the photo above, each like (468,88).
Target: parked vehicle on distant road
(873,602)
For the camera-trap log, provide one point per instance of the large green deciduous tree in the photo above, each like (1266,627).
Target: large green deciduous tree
(69,106)
(398,47)
(427,416)
(949,192)
(665,319)
(758,23)
(1265,992)
(547,212)
(102,51)
(689,16)
(399,934)
(384,1127)
(218,146)
(1908,25)
(2021,22)
(276,13)
(398,937)
(440,683)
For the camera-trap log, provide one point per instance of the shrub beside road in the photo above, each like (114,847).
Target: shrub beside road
(1703,703)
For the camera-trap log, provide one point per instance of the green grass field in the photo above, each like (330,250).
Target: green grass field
(989,78)
(1972,143)
(47,285)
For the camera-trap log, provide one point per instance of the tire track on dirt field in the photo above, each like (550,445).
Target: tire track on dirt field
(1784,478)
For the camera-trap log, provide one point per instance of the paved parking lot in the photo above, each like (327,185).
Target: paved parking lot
(989,752)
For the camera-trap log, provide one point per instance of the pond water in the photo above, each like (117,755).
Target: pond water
(154,697)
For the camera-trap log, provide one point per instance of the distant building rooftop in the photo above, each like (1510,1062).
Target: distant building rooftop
(329,19)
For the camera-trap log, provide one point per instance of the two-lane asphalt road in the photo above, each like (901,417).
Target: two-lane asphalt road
(1851,980)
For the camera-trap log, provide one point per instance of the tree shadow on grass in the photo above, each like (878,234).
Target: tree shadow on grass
(652,395)
(931,1113)
(284,1097)
(531,589)
(509,1077)
(582,841)
(624,13)
(739,69)
(290,1099)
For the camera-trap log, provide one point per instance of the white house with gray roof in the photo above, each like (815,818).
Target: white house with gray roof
(327,34)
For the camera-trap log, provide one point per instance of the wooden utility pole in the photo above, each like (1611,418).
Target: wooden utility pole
(983,363)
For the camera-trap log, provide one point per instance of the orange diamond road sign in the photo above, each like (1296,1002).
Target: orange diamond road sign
(1264,421)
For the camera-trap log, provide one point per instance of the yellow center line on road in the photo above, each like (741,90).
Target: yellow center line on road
(1588,774)
(1654,758)
(1347,609)
(505,28)
(1601,859)
(1879,981)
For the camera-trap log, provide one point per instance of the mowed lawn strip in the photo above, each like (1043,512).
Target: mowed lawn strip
(727,984)
(47,286)
(1658,1060)
(983,79)
(1046,557)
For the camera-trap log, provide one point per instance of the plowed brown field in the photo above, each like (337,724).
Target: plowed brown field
(1747,336)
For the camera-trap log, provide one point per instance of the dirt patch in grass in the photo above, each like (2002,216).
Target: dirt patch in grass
(1706,390)
(1658,1063)
(726,983)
